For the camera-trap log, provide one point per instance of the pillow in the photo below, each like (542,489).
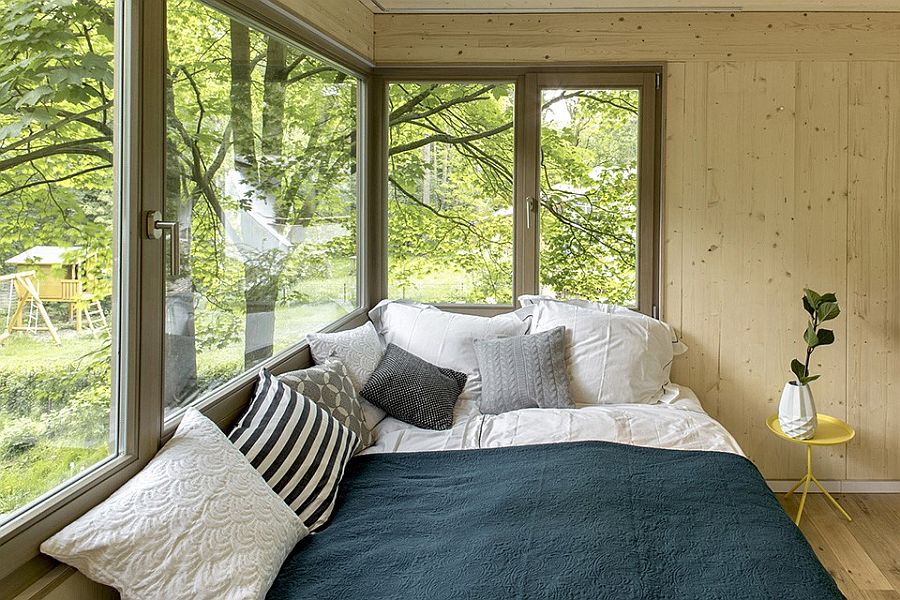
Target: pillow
(443,338)
(526,301)
(198,522)
(611,358)
(525,371)
(360,350)
(299,449)
(329,386)
(414,391)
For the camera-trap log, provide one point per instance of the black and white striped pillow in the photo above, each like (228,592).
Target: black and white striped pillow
(298,448)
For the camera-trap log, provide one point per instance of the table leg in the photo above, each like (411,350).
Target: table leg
(796,485)
(833,501)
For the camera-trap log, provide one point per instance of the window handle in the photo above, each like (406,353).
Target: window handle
(529,209)
(155,228)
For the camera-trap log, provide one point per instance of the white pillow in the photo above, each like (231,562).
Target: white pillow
(360,351)
(197,522)
(442,338)
(527,300)
(611,358)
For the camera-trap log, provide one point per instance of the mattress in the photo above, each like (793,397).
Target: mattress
(568,521)
(676,421)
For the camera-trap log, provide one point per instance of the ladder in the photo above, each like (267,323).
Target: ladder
(95,316)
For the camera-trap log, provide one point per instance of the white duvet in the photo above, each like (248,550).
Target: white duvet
(677,421)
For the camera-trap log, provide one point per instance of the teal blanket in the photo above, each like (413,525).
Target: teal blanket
(584,520)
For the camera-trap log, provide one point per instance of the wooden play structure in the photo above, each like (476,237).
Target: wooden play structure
(47,274)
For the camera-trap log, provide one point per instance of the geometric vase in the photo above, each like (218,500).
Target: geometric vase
(797,411)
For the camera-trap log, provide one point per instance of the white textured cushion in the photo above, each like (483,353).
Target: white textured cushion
(197,522)
(360,351)
(442,338)
(611,358)
(527,301)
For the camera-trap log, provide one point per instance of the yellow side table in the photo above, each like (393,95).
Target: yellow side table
(830,431)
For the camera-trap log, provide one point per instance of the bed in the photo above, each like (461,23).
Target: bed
(602,502)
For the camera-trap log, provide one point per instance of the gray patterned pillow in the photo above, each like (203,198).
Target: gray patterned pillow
(330,386)
(525,371)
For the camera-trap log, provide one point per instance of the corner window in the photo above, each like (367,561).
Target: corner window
(59,210)
(262,178)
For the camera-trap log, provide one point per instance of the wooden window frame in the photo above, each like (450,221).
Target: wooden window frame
(140,64)
(529,80)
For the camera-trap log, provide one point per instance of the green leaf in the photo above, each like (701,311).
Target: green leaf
(828,311)
(806,380)
(826,337)
(798,369)
(829,297)
(808,307)
(810,336)
(812,297)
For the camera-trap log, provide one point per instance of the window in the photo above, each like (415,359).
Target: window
(59,208)
(546,183)
(451,162)
(589,193)
(261,175)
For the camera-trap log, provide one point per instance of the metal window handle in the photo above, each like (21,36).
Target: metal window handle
(529,209)
(155,227)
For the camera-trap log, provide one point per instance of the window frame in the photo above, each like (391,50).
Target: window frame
(526,241)
(140,71)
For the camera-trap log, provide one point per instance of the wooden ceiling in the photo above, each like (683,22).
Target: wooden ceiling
(563,6)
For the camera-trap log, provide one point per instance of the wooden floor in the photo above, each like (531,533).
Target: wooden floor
(862,556)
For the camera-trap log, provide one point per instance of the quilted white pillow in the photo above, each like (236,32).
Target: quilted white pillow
(197,522)
(611,358)
(442,338)
(360,350)
(527,300)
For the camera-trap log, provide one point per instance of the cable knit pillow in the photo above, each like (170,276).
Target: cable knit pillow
(198,522)
(329,386)
(359,349)
(414,391)
(525,371)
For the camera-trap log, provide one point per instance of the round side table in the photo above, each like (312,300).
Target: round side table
(830,431)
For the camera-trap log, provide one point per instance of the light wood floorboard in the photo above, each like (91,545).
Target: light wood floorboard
(863,556)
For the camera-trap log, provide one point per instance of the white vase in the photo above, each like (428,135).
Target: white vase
(797,411)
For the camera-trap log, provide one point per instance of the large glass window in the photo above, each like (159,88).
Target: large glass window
(261,175)
(589,193)
(451,161)
(58,208)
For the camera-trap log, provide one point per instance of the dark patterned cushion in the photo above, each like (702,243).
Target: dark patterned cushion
(329,385)
(414,391)
(524,371)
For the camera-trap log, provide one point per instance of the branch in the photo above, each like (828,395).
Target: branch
(80,147)
(69,118)
(446,138)
(49,181)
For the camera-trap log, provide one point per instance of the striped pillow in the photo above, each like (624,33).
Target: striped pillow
(298,448)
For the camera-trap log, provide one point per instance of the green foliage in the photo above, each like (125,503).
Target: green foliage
(821,308)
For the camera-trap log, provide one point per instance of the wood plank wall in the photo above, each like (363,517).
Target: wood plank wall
(347,22)
(782,170)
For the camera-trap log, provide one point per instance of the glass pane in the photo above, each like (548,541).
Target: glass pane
(450,193)
(261,175)
(57,212)
(589,194)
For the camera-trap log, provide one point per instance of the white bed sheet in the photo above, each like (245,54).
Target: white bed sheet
(677,421)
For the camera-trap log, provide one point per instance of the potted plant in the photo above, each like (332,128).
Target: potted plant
(797,411)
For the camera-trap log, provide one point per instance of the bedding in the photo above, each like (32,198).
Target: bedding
(611,358)
(442,338)
(582,520)
(677,421)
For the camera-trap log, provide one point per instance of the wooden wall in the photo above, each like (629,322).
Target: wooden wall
(347,22)
(782,170)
